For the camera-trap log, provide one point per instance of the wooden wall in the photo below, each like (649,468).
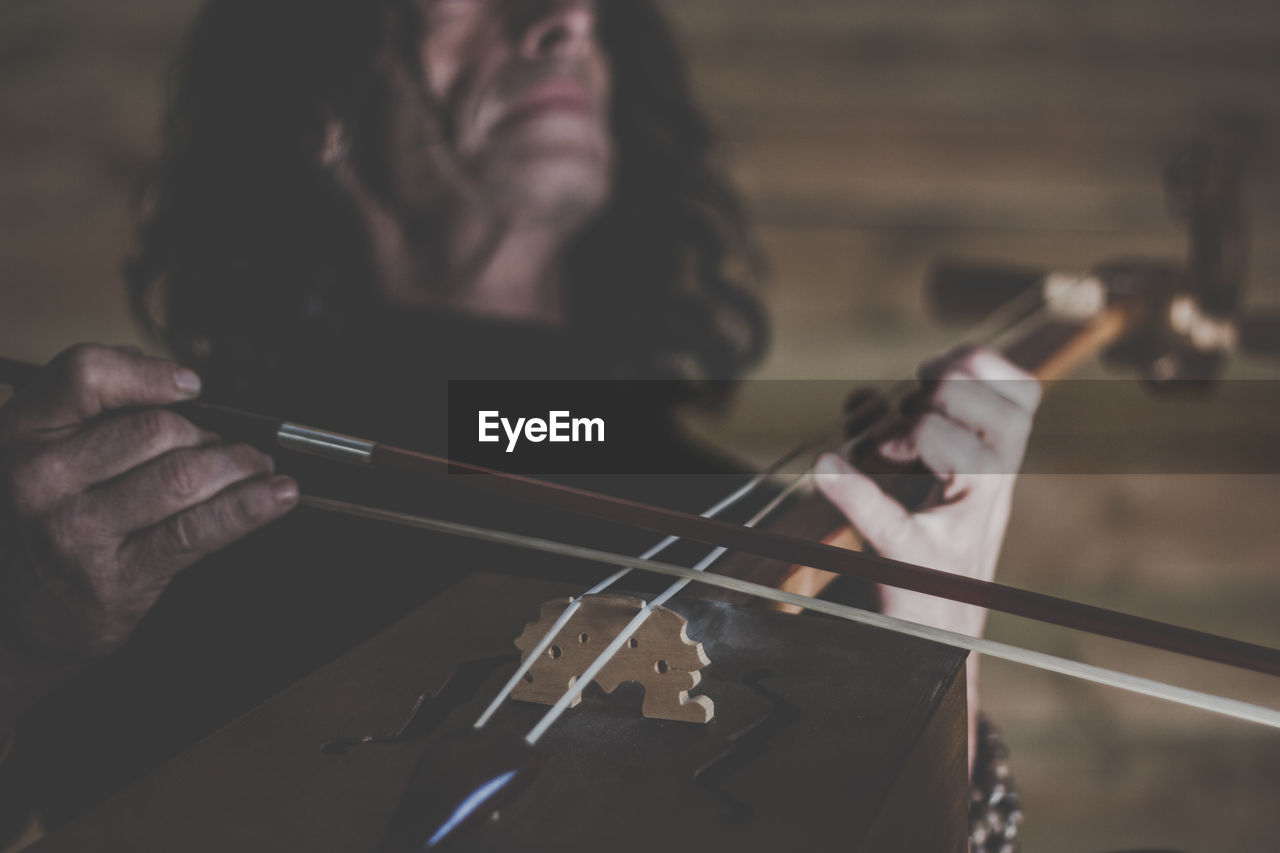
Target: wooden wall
(870,137)
(874,136)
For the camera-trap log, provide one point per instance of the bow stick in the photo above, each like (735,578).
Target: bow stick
(1039,660)
(790,549)
(461,780)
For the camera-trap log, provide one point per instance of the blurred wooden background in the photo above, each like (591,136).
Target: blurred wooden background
(871,137)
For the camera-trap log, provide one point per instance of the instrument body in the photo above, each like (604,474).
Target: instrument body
(857,745)
(1137,316)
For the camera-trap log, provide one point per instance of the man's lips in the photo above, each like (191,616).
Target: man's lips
(552,96)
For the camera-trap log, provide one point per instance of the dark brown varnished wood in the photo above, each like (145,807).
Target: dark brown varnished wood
(828,736)
(459,782)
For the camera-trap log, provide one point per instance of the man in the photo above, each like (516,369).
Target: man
(359,200)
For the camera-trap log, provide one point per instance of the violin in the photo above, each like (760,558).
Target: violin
(773,761)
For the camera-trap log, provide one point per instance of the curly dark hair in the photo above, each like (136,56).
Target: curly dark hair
(246,239)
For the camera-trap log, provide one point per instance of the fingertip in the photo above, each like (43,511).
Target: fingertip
(187,382)
(285,491)
(901,450)
(876,515)
(986,363)
(836,478)
(1008,379)
(831,465)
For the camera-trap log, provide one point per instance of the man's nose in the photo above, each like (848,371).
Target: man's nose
(558,28)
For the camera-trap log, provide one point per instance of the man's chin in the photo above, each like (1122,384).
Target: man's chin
(557,187)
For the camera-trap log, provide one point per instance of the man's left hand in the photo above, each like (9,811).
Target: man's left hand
(969,429)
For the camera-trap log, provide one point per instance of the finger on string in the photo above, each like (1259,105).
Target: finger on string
(163,550)
(1004,377)
(878,517)
(85,381)
(892,425)
(899,448)
(951,450)
(174,483)
(992,417)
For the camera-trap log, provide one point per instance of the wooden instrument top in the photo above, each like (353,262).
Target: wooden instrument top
(841,735)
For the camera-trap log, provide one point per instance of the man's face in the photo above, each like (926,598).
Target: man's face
(515,113)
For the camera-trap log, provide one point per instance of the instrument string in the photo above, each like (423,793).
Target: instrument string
(610,651)
(1087,672)
(1009,317)
(726,503)
(1004,322)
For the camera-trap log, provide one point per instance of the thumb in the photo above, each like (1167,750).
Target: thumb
(880,519)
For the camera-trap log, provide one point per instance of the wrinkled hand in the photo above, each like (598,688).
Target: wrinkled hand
(104,497)
(973,419)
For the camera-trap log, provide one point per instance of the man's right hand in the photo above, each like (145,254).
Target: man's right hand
(105,496)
